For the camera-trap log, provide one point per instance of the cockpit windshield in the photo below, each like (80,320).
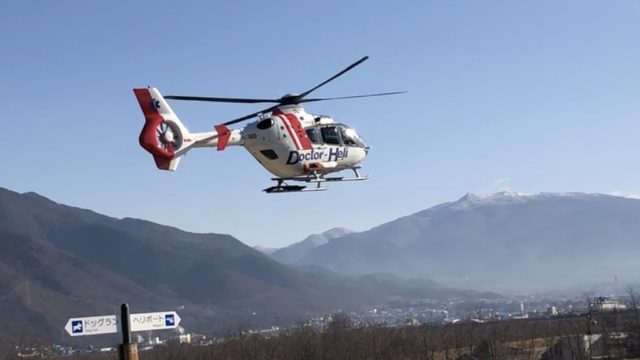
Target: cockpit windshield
(350,137)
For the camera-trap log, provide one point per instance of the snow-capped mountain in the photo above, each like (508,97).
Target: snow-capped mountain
(292,253)
(506,241)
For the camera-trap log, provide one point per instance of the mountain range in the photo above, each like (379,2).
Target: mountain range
(58,262)
(503,242)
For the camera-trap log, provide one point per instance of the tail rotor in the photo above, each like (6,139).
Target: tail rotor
(168,137)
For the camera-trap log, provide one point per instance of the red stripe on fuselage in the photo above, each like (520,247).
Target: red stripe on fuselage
(302,137)
(292,134)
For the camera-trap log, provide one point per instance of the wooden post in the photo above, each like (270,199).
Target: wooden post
(128,350)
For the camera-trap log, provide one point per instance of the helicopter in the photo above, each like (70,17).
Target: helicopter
(289,142)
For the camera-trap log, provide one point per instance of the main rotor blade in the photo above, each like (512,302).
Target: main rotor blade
(351,97)
(221,99)
(247,117)
(271,108)
(333,77)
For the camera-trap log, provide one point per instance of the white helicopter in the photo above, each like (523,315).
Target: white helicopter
(289,142)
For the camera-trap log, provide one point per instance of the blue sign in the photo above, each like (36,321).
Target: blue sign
(76,326)
(169,320)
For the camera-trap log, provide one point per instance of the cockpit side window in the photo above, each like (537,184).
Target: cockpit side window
(330,135)
(312,133)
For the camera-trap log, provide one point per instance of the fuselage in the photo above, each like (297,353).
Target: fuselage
(291,142)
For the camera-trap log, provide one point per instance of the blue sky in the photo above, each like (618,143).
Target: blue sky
(525,96)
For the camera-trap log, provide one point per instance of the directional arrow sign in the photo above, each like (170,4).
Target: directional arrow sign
(93,325)
(154,321)
(108,324)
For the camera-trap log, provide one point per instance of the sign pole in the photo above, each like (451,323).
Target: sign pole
(128,349)
(124,320)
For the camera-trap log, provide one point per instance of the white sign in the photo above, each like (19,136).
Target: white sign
(93,325)
(108,324)
(154,321)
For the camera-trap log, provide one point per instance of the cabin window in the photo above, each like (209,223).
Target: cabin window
(312,133)
(265,124)
(330,135)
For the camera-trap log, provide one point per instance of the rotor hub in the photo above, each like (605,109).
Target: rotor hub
(167,136)
(289,99)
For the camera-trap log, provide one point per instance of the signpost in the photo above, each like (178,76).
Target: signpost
(108,324)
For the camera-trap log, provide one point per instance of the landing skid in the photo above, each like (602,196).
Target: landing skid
(316,178)
(291,188)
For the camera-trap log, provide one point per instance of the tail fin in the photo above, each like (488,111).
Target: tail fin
(163,134)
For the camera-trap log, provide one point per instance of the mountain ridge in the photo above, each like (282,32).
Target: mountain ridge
(496,242)
(294,252)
